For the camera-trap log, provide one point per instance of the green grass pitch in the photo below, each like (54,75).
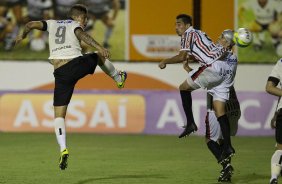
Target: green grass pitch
(29,158)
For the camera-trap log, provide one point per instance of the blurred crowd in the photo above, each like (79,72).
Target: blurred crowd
(266,22)
(15,13)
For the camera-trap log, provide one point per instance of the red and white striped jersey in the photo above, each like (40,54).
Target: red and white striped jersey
(199,45)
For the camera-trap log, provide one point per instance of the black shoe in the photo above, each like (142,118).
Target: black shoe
(226,155)
(188,130)
(274,181)
(226,174)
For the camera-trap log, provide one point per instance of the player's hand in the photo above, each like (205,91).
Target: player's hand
(162,65)
(17,40)
(186,66)
(273,120)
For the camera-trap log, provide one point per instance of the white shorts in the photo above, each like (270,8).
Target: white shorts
(217,78)
(205,77)
(220,93)
(213,131)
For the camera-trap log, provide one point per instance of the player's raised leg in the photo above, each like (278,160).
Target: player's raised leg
(108,67)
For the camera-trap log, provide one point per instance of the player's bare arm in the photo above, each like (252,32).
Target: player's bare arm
(182,56)
(271,88)
(83,36)
(27,28)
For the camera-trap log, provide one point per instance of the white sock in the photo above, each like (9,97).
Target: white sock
(276,164)
(111,71)
(60,131)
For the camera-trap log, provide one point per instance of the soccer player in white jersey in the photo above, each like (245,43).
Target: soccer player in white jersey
(70,65)
(265,13)
(218,65)
(274,79)
(213,131)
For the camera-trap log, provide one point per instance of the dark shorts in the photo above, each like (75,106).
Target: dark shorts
(278,129)
(67,76)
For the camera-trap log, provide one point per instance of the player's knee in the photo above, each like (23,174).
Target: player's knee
(183,86)
(180,87)
(279,146)
(101,60)
(207,140)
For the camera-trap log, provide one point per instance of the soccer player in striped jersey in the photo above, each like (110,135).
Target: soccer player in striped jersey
(213,132)
(218,66)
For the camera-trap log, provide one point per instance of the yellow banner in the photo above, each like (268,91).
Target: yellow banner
(86,113)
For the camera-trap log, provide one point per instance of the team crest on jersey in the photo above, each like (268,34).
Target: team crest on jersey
(231,59)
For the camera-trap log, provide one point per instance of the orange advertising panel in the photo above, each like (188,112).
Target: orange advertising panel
(86,113)
(152,28)
(216,16)
(151,25)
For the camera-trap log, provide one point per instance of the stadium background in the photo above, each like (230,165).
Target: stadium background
(148,106)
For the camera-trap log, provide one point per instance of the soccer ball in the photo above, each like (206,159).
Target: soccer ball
(243,37)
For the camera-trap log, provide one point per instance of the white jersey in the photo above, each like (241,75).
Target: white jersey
(199,45)
(63,43)
(263,15)
(277,73)
(227,70)
(279,6)
(217,77)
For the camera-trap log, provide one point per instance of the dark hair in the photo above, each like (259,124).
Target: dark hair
(187,19)
(77,10)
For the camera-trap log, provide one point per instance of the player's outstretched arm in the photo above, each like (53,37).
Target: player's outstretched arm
(272,88)
(83,36)
(27,28)
(182,56)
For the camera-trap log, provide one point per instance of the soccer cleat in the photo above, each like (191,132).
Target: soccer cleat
(188,130)
(63,162)
(226,174)
(226,155)
(274,181)
(123,76)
